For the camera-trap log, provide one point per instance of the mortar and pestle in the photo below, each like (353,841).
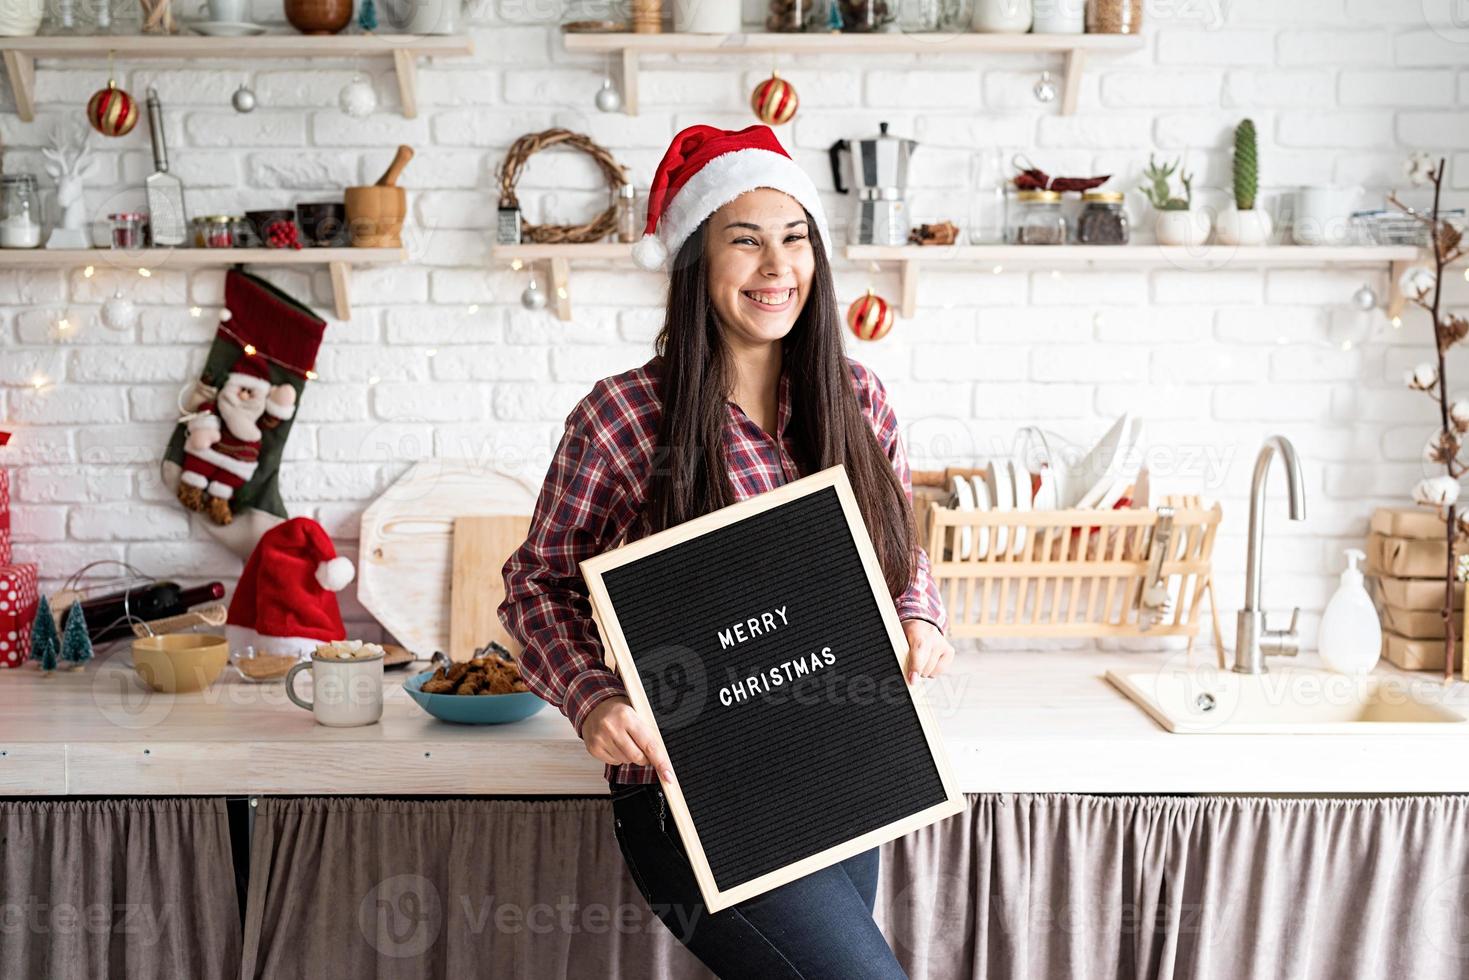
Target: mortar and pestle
(375,213)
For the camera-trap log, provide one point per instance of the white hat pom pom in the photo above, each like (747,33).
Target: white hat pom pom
(649,253)
(335,575)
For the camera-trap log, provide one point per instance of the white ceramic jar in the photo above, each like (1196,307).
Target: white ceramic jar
(1059,17)
(706,16)
(21,18)
(1002,16)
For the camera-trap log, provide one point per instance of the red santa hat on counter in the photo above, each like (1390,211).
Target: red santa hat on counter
(286,599)
(704,169)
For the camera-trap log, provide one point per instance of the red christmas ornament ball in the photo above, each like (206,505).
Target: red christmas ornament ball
(870,317)
(774,101)
(111,111)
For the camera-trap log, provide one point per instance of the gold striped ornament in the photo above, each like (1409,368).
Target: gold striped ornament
(774,101)
(112,111)
(870,317)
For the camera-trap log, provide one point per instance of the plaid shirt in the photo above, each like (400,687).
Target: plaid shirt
(593,495)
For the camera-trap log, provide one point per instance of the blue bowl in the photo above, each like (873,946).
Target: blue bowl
(473,709)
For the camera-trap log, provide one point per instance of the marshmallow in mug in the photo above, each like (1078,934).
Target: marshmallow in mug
(348,650)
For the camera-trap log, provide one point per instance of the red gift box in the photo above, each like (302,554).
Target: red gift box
(5,555)
(18,599)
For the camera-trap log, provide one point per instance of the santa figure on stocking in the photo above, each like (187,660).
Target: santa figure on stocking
(222,446)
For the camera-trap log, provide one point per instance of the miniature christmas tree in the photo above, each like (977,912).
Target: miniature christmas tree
(367,16)
(76,644)
(45,641)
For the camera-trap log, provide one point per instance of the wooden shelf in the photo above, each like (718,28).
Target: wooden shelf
(554,263)
(20,54)
(911,257)
(337,260)
(1074,47)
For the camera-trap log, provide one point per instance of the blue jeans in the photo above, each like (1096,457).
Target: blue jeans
(818,926)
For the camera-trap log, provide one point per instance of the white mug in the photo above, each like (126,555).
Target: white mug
(227,11)
(345,693)
(1323,215)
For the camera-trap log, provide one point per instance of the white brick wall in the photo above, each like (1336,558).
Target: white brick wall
(440,359)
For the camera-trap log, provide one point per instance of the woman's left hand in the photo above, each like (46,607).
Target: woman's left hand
(929,653)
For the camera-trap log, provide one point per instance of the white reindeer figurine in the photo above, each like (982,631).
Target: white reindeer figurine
(69,162)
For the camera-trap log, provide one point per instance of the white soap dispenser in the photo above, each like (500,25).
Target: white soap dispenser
(1351,634)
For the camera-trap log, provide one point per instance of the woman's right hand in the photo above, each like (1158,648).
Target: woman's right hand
(614,733)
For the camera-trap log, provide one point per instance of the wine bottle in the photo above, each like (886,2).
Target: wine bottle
(112,616)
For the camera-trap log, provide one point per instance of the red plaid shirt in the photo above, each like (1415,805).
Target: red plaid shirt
(593,495)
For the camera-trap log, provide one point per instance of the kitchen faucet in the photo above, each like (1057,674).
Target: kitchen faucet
(1252,641)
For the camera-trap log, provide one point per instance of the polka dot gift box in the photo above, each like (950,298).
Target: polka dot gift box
(18,598)
(5,555)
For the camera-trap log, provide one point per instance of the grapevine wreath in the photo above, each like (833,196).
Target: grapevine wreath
(521,150)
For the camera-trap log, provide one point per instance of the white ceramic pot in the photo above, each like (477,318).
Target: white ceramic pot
(21,18)
(344,693)
(706,16)
(1059,16)
(1323,215)
(1002,16)
(1182,228)
(1236,227)
(422,16)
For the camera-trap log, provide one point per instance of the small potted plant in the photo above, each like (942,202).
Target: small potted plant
(1244,224)
(1178,223)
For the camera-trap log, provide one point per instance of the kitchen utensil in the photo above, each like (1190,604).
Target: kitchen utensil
(878,181)
(963,500)
(407,544)
(167,222)
(1099,468)
(1021,477)
(1001,484)
(477,585)
(1127,468)
(1156,602)
(1323,215)
(180,663)
(323,224)
(375,213)
(472,709)
(982,501)
(344,693)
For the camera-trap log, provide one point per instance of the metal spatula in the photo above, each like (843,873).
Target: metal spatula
(167,223)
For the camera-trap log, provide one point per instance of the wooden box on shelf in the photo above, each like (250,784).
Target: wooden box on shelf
(1061,573)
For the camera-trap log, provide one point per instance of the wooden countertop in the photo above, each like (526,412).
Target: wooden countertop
(1013,721)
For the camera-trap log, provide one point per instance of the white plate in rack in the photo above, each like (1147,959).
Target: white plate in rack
(981,502)
(963,501)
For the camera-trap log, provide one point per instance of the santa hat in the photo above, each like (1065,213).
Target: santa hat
(251,371)
(704,169)
(286,600)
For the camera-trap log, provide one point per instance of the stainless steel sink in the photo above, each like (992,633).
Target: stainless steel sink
(1205,700)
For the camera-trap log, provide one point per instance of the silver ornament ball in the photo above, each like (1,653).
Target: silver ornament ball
(534,297)
(1045,89)
(357,98)
(608,98)
(1364,298)
(119,313)
(244,99)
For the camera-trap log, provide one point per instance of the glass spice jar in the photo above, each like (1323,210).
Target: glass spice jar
(865,16)
(628,226)
(1114,16)
(127,229)
(20,212)
(792,16)
(1040,221)
(1102,220)
(217,231)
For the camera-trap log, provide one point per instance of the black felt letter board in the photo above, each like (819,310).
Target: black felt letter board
(794,768)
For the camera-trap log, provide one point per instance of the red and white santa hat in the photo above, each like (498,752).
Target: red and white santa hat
(704,169)
(286,600)
(251,371)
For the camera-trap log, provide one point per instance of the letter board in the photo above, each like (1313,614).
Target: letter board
(761,642)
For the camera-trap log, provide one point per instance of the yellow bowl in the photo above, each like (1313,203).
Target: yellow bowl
(177,663)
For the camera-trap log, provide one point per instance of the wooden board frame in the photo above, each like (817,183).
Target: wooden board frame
(618,658)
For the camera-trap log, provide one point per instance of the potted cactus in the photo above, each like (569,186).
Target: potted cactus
(1244,224)
(1178,223)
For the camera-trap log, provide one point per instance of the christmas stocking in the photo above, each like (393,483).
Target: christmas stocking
(224,458)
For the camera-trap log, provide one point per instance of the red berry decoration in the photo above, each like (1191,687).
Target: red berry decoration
(774,101)
(282,234)
(111,111)
(870,317)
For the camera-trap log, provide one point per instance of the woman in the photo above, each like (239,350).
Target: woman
(750,389)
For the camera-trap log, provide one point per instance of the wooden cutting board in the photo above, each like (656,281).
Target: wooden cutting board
(476,586)
(406,552)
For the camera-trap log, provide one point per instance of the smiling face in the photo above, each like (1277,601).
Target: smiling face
(760,259)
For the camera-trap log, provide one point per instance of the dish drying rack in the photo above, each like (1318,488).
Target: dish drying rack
(1065,573)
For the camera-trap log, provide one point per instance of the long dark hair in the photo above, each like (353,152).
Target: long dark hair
(827,424)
